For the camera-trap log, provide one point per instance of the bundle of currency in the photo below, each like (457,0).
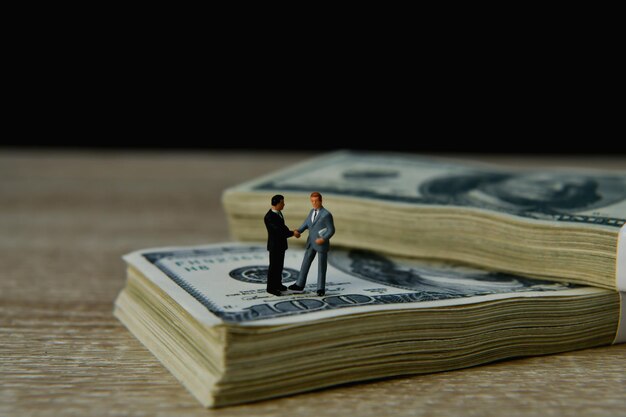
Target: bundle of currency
(557,224)
(205,314)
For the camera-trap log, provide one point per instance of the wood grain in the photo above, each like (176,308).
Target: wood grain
(66,218)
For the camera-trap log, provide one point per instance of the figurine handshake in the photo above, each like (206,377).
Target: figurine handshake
(296,233)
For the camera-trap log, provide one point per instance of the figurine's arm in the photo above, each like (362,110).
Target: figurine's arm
(330,229)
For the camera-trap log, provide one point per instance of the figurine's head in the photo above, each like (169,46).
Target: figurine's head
(316,200)
(278,202)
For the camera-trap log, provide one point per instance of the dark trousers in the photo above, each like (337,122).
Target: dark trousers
(275,270)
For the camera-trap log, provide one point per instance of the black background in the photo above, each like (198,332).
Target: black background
(468,122)
(501,87)
(474,105)
(472,136)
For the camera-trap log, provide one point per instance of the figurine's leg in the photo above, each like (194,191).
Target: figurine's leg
(309,255)
(322,258)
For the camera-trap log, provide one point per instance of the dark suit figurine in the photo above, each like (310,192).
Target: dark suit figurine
(277,234)
(321,228)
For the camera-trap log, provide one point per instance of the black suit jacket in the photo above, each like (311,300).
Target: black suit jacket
(277,232)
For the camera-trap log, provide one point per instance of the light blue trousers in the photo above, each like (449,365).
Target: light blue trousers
(322,258)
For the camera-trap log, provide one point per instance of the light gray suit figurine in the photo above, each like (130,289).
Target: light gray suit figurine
(321,229)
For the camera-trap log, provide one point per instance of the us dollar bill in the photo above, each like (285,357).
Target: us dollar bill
(226,284)
(581,196)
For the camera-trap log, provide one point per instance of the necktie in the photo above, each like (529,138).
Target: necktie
(314,215)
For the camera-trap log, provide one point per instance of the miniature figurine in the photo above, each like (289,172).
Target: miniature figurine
(321,229)
(277,234)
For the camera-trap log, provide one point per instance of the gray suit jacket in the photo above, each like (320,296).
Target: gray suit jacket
(322,227)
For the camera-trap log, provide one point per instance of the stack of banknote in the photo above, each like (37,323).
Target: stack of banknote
(435,265)
(555,224)
(205,314)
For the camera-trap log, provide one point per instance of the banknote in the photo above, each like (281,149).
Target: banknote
(226,283)
(581,196)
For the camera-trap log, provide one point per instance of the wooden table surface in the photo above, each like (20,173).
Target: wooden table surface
(66,218)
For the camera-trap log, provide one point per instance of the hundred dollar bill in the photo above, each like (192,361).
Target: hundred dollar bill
(588,196)
(557,223)
(226,283)
(205,314)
